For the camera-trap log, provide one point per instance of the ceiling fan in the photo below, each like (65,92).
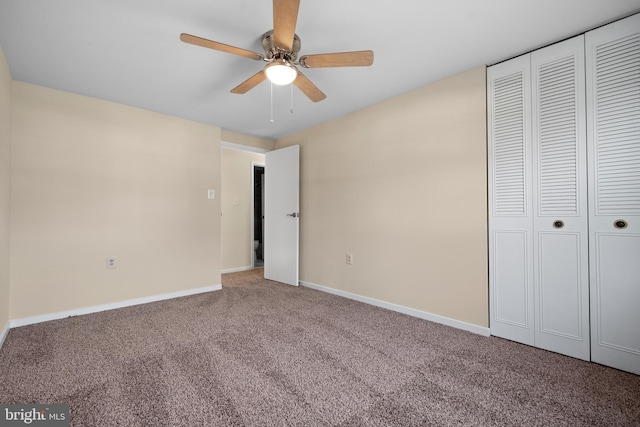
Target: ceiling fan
(281,46)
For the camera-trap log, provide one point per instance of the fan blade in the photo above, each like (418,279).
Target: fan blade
(361,58)
(199,41)
(250,83)
(285,15)
(308,88)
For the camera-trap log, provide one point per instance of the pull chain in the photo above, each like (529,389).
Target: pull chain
(291,98)
(271,119)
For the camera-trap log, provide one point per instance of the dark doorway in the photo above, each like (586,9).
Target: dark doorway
(258,215)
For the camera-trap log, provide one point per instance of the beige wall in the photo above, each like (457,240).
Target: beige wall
(250,141)
(236,218)
(93,179)
(401,185)
(5,180)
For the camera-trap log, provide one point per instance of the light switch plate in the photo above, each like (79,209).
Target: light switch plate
(111,262)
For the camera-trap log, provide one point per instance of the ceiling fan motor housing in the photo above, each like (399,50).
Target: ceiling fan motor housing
(274,52)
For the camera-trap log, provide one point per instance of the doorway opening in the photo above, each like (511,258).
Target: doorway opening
(258,215)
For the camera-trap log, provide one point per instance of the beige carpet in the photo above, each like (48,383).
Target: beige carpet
(259,353)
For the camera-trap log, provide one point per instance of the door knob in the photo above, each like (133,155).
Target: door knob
(558,224)
(620,223)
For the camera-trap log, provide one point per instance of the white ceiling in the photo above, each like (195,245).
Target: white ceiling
(128,51)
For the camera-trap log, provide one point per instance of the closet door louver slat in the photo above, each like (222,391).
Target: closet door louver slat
(617,125)
(509,179)
(557,139)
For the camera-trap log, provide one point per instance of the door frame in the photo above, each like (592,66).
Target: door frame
(249,149)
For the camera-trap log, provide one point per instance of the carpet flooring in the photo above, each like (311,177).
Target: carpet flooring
(260,353)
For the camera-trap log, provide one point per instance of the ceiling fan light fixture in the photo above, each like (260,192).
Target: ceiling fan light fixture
(281,73)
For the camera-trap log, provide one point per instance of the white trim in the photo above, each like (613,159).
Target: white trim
(480,330)
(4,333)
(111,306)
(240,147)
(237,269)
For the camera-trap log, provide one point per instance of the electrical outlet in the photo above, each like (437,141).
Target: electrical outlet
(349,258)
(111,262)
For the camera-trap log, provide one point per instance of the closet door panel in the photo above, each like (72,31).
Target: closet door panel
(613,94)
(618,271)
(560,216)
(560,306)
(510,279)
(510,226)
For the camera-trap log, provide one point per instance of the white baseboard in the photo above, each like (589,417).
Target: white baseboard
(470,327)
(4,333)
(237,269)
(97,308)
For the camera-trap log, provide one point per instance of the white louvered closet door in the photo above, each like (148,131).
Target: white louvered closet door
(560,215)
(510,210)
(613,133)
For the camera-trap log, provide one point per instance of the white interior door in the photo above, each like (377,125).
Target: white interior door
(282,188)
(613,136)
(561,259)
(510,211)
